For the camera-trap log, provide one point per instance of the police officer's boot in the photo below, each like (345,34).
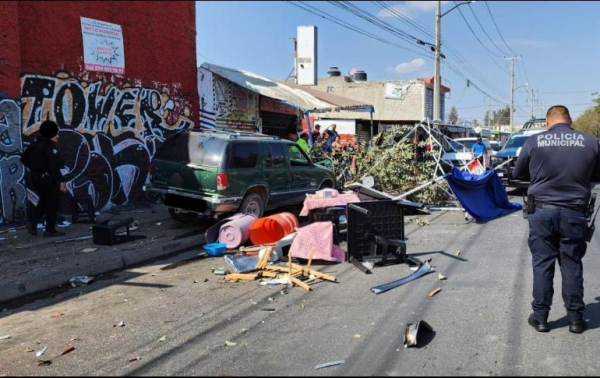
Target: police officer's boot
(578,326)
(539,325)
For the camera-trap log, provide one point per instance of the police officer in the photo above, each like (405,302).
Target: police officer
(560,164)
(44,163)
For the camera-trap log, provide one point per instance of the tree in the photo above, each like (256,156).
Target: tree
(487,118)
(453,116)
(589,120)
(501,117)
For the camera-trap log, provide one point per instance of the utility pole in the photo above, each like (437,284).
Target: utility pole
(512,90)
(531,90)
(436,73)
(295,60)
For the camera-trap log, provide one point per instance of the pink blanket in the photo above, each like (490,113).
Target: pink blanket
(316,203)
(320,236)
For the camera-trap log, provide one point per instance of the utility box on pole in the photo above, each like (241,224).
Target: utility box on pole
(306,62)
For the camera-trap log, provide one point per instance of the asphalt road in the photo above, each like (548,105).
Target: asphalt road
(479,317)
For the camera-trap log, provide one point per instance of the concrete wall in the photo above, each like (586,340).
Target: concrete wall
(111,125)
(409,108)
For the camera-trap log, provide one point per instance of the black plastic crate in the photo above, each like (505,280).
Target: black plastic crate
(386,219)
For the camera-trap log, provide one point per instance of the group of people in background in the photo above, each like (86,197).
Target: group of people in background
(327,141)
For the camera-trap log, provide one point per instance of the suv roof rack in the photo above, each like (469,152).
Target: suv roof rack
(236,134)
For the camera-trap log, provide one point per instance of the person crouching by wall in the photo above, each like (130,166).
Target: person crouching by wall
(43,162)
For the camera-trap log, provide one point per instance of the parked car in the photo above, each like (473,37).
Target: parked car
(496,146)
(511,151)
(460,152)
(215,172)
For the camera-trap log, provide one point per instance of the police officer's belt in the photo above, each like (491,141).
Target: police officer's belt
(579,208)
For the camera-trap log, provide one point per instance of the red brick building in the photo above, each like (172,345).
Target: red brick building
(111,124)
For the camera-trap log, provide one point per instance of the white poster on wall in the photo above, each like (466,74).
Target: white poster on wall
(205,90)
(102,46)
(395,92)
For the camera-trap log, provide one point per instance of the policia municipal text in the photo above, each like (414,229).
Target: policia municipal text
(560,164)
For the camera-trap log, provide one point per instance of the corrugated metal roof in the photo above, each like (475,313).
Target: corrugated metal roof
(307,99)
(268,87)
(343,103)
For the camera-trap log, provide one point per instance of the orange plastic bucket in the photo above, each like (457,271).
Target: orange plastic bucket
(273,228)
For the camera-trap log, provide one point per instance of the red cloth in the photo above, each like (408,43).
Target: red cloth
(316,203)
(320,236)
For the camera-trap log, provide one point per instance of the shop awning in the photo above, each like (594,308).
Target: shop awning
(456,129)
(306,99)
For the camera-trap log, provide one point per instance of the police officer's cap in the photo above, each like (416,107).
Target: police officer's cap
(49,129)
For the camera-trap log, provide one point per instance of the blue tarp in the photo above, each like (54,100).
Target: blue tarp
(482,196)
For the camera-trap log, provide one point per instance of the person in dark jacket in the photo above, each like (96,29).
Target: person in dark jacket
(43,162)
(561,164)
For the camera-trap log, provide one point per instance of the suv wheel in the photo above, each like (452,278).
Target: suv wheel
(252,204)
(183,217)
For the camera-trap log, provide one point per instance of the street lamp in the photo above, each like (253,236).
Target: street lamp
(438,43)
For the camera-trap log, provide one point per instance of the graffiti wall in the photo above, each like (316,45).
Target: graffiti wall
(109,132)
(12,186)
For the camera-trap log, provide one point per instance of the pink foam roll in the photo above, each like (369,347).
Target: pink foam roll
(235,232)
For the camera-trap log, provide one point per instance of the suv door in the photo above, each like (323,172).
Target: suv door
(276,172)
(242,169)
(305,177)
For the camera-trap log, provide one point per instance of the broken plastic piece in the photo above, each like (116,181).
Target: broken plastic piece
(162,339)
(79,280)
(241,264)
(441,277)
(121,324)
(329,364)
(426,267)
(220,272)
(5,337)
(41,352)
(230,343)
(412,332)
(361,266)
(44,362)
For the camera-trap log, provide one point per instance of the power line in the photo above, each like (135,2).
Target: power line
(485,32)
(336,20)
(475,34)
(498,29)
(453,53)
(581,91)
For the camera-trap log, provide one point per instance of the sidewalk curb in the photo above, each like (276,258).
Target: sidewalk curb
(34,282)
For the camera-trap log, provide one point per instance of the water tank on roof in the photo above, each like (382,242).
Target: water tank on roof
(334,71)
(360,76)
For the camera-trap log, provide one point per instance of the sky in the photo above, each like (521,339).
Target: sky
(557,42)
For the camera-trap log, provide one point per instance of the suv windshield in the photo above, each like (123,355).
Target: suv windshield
(459,145)
(193,148)
(516,141)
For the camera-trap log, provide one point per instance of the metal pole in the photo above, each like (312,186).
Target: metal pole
(436,73)
(371,133)
(531,89)
(512,94)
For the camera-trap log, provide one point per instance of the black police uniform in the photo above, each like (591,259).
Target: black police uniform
(44,163)
(560,164)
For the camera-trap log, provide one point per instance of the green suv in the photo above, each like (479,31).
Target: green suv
(217,172)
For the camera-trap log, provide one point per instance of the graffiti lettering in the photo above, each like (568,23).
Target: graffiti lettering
(12,192)
(108,133)
(82,106)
